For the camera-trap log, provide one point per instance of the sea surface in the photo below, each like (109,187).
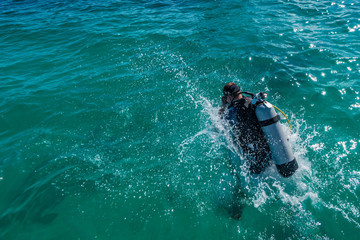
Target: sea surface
(109,125)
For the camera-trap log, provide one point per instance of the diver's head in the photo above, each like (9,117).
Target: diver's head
(231,91)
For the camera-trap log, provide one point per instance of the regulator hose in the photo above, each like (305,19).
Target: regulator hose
(284,115)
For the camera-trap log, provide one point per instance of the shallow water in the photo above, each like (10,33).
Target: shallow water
(108,118)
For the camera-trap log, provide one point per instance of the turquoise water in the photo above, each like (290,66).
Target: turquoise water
(109,109)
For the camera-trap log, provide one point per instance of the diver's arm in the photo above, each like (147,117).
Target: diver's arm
(222,110)
(223,105)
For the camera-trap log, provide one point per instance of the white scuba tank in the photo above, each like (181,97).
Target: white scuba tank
(279,144)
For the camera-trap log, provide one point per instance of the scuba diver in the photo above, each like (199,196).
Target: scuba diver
(239,112)
(257,132)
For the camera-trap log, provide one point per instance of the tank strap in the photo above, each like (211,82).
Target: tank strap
(269,121)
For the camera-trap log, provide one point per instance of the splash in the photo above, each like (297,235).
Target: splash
(258,192)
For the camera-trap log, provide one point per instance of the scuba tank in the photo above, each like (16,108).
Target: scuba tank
(279,145)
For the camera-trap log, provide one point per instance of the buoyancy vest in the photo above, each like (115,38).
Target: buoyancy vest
(249,135)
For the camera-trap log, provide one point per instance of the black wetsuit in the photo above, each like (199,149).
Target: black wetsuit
(248,134)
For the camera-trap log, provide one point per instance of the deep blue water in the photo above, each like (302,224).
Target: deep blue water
(108,111)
